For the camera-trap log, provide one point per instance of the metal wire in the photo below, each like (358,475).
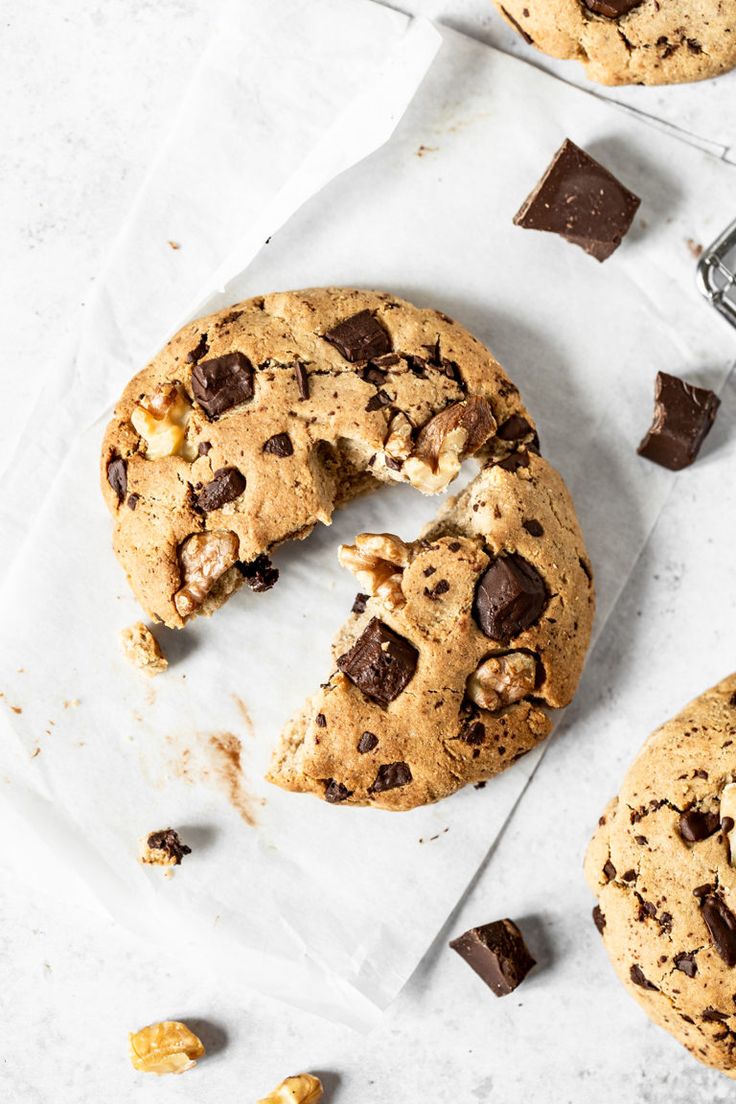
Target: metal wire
(716,274)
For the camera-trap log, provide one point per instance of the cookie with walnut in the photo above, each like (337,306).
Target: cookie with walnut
(662,865)
(459,645)
(255,423)
(631,41)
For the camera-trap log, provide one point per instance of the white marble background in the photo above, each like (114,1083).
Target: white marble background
(87,91)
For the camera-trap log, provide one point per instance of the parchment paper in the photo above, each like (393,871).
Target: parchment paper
(333,908)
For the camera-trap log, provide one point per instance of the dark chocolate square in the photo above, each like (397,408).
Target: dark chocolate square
(380,663)
(683,416)
(498,954)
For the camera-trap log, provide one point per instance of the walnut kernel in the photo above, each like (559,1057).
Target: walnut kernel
(162,420)
(303,1088)
(457,431)
(168,1047)
(378,560)
(204,557)
(501,680)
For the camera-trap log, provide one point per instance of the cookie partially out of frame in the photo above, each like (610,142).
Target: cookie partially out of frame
(255,423)
(662,865)
(631,41)
(461,641)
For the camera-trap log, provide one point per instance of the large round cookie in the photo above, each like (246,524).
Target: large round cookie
(255,423)
(444,673)
(661,864)
(632,41)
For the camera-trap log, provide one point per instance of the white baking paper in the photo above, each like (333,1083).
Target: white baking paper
(333,908)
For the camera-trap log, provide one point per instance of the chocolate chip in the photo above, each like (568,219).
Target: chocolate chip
(712,1015)
(259,574)
(201,349)
(335,791)
(360,603)
(514,428)
(475,734)
(611,9)
(320,720)
(609,870)
(695,826)
(429,571)
(359,337)
(279,445)
(203,448)
(683,416)
(685,962)
(302,379)
(498,954)
(437,590)
(509,599)
(637,976)
(515,461)
(394,465)
(167,840)
(133,501)
(117,476)
(222,383)
(703,890)
(367,742)
(629,876)
(373,375)
(454,546)
(378,401)
(380,663)
(227,485)
(390,776)
(581,201)
(721,923)
(233,316)
(533,528)
(599,919)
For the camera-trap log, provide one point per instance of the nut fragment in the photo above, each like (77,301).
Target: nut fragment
(457,431)
(143,650)
(728,817)
(378,560)
(303,1088)
(161,420)
(501,680)
(397,446)
(204,557)
(168,1047)
(164,848)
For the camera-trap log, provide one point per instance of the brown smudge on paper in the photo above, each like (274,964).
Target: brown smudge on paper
(244,713)
(695,248)
(217,759)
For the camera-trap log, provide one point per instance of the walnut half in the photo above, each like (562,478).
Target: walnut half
(502,680)
(378,560)
(204,558)
(303,1088)
(167,1047)
(162,419)
(457,431)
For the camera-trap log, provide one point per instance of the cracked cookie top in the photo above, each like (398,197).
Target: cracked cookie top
(661,864)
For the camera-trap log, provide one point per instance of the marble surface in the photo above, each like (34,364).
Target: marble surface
(89,89)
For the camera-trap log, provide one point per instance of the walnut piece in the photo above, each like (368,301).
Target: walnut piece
(162,420)
(728,813)
(303,1088)
(167,1047)
(397,446)
(378,560)
(204,557)
(163,848)
(501,680)
(457,431)
(143,650)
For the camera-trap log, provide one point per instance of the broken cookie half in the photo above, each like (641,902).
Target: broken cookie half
(446,673)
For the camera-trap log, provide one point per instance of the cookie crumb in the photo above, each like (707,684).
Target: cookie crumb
(141,648)
(163,848)
(695,248)
(174,245)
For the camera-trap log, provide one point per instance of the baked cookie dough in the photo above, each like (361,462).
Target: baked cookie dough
(661,864)
(456,647)
(631,41)
(255,423)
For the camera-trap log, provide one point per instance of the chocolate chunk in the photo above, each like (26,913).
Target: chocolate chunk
(302,379)
(360,603)
(683,416)
(117,476)
(228,484)
(390,776)
(378,401)
(335,791)
(437,590)
(222,383)
(201,349)
(475,734)
(599,919)
(629,876)
(510,597)
(367,742)
(279,445)
(533,528)
(167,840)
(695,826)
(712,1015)
(498,954)
(133,501)
(514,428)
(380,663)
(721,923)
(374,375)
(685,962)
(611,9)
(203,448)
(259,574)
(360,337)
(320,720)
(609,870)
(581,201)
(515,461)
(637,976)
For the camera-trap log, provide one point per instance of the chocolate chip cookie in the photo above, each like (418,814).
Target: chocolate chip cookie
(661,864)
(255,423)
(457,646)
(631,41)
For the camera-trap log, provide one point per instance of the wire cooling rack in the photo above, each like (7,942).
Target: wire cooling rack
(716,274)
